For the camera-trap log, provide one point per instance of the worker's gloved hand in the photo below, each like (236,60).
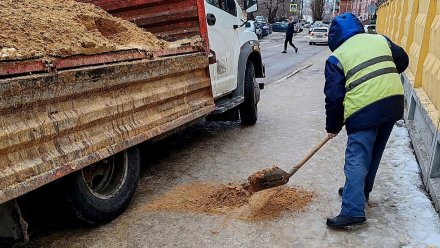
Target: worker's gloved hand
(331,135)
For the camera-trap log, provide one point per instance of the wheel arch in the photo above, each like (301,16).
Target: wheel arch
(255,58)
(250,51)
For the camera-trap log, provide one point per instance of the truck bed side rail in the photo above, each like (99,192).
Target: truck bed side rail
(167,19)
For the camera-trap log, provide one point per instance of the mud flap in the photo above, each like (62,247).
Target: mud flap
(13,226)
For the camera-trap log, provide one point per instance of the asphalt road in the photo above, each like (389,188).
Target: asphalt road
(279,65)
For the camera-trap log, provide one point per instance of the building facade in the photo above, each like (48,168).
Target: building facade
(357,7)
(345,6)
(337,6)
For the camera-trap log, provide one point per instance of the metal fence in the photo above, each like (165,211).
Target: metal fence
(415,25)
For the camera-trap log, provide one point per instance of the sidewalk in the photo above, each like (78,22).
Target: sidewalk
(291,121)
(399,213)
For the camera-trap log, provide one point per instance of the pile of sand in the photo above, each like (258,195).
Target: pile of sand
(41,28)
(234,199)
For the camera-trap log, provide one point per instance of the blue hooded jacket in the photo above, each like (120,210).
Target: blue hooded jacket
(344,27)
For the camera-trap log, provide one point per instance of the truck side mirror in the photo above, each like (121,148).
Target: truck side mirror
(251,6)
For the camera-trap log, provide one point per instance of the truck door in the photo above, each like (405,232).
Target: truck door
(221,16)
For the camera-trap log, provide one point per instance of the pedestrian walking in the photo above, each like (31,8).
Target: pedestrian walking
(363,92)
(289,36)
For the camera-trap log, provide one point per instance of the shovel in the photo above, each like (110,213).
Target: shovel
(275,176)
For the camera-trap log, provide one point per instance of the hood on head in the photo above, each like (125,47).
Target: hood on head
(343,27)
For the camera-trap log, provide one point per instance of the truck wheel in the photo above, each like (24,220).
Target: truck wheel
(248,109)
(100,192)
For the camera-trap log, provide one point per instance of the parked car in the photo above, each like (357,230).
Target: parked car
(298,28)
(318,24)
(270,28)
(370,29)
(265,27)
(260,19)
(319,35)
(252,26)
(307,25)
(260,28)
(279,27)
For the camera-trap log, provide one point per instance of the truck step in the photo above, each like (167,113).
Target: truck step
(225,104)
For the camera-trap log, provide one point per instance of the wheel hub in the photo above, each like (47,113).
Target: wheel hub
(106,177)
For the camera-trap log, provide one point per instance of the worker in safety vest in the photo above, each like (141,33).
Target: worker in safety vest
(364,92)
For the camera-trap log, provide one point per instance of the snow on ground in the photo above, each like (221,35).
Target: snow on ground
(423,225)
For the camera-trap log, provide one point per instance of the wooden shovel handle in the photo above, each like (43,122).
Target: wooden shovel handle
(308,156)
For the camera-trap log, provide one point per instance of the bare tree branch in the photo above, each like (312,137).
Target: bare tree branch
(272,7)
(317,7)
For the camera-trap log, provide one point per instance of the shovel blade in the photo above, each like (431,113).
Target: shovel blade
(268,179)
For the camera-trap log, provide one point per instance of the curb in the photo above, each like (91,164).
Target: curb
(424,129)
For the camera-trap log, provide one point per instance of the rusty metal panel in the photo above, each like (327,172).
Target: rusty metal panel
(167,19)
(14,68)
(97,59)
(21,67)
(58,122)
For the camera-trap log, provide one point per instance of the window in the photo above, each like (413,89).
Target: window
(226,5)
(216,3)
(320,30)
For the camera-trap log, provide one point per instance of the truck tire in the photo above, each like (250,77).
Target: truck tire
(100,192)
(248,109)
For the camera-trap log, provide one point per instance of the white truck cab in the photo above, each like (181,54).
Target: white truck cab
(237,59)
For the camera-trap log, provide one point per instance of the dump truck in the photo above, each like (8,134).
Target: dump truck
(79,119)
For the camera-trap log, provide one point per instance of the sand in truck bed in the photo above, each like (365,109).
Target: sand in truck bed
(47,28)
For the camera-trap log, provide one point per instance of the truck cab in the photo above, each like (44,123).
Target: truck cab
(237,59)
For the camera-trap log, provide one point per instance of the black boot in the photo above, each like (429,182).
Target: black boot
(341,190)
(343,221)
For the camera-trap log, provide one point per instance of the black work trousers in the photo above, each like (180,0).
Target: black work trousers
(288,40)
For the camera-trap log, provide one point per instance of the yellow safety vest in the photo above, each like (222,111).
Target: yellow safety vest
(370,72)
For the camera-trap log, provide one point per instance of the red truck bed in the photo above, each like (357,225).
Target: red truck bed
(167,19)
(59,117)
